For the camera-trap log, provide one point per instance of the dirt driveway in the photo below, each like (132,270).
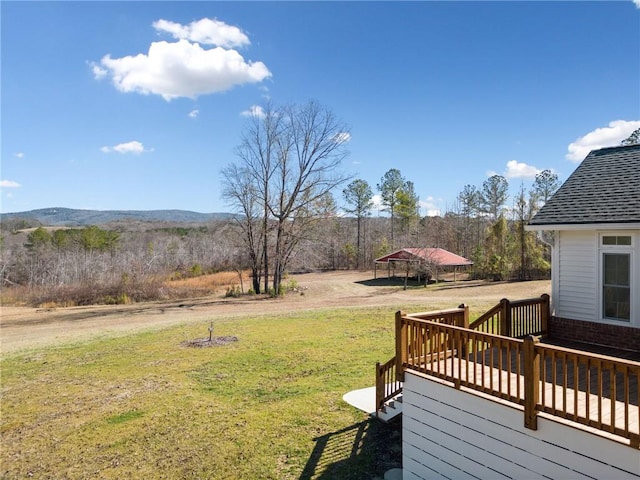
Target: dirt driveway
(22,327)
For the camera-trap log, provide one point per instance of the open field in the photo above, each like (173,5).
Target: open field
(23,327)
(113,392)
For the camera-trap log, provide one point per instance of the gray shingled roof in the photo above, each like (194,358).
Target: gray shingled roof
(605,188)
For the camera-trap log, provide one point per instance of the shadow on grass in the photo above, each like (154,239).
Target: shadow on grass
(390,282)
(413,283)
(364,450)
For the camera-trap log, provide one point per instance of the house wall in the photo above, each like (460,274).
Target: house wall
(449,433)
(576,291)
(576,275)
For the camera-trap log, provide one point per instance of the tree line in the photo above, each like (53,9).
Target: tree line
(296,211)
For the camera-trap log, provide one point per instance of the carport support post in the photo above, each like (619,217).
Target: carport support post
(406,276)
(531,382)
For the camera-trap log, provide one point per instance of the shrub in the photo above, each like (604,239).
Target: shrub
(233,291)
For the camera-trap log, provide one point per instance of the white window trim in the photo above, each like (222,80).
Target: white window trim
(631,250)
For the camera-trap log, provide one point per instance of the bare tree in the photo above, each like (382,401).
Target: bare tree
(291,156)
(240,191)
(260,152)
(311,149)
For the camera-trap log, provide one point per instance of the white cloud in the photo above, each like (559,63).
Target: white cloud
(9,184)
(98,72)
(184,68)
(609,136)
(265,92)
(637,2)
(194,113)
(134,147)
(517,169)
(430,207)
(253,111)
(376,200)
(206,31)
(19,155)
(342,137)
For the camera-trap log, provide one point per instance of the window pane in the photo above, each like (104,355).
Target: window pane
(616,298)
(624,240)
(616,240)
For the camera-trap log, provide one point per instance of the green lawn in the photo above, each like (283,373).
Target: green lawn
(268,406)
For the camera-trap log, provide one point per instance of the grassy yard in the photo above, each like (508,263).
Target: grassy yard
(268,406)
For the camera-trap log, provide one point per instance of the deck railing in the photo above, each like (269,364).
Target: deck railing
(591,389)
(516,319)
(387,384)
(594,390)
(508,318)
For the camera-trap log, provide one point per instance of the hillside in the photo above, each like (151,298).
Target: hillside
(74,217)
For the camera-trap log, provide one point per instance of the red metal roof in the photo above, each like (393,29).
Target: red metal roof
(436,256)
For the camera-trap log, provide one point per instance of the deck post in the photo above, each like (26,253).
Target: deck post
(465,324)
(531,382)
(379,388)
(401,346)
(505,318)
(465,319)
(545,313)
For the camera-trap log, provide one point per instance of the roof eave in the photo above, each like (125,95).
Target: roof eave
(584,226)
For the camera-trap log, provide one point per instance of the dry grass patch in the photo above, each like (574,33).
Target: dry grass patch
(210,283)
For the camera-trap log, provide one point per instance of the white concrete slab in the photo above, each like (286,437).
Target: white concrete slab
(393,474)
(363,399)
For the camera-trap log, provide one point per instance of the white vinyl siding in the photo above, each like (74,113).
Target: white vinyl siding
(450,433)
(577,275)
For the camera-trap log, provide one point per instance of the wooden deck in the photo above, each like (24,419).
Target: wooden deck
(559,400)
(498,372)
(592,388)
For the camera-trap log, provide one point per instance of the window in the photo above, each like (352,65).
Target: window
(616,277)
(616,240)
(616,291)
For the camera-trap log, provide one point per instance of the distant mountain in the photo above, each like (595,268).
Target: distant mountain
(71,217)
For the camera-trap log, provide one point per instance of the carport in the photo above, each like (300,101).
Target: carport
(437,258)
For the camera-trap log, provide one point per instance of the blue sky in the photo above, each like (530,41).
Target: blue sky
(139,105)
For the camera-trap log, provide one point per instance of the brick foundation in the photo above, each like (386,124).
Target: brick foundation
(614,336)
